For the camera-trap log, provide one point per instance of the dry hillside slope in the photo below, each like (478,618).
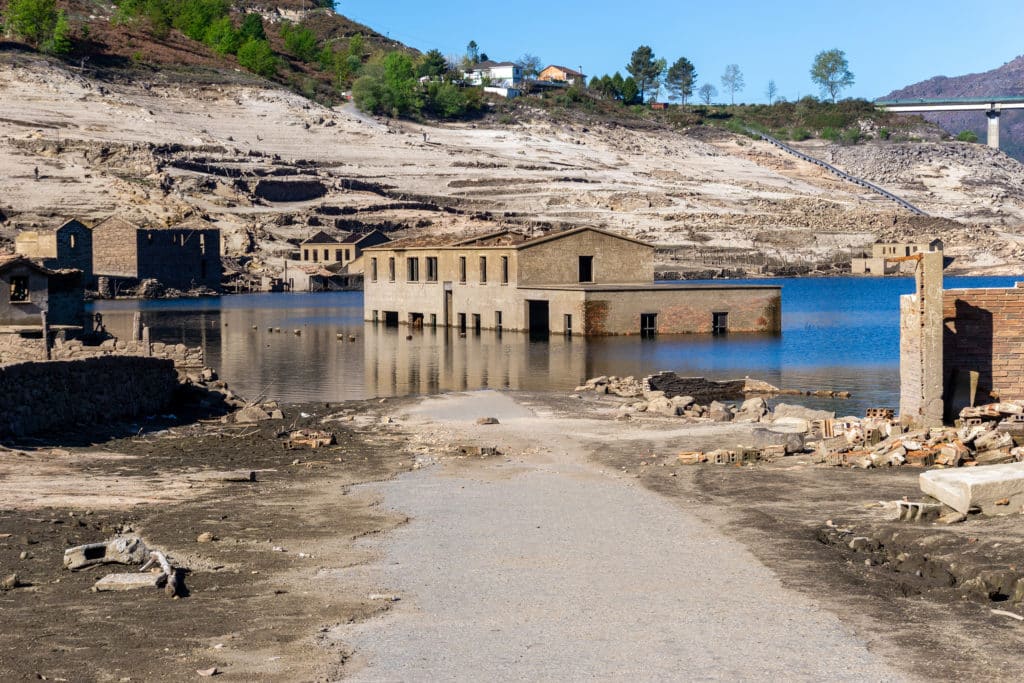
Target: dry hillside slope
(272,168)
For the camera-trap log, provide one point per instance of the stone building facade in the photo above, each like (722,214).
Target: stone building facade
(31,295)
(880,261)
(958,347)
(67,247)
(582,281)
(183,256)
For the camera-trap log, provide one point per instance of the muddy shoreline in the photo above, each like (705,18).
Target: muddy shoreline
(257,613)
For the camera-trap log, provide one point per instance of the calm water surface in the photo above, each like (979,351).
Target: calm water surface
(838,333)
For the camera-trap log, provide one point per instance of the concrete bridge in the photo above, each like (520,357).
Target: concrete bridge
(992,106)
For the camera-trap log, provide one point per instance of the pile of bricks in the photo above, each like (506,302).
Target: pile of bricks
(985,435)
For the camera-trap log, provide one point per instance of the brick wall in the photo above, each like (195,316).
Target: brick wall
(983,333)
(45,396)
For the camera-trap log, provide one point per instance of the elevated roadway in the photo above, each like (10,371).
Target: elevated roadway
(992,106)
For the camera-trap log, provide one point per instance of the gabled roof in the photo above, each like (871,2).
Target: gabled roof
(115,222)
(320,238)
(8,261)
(193,223)
(501,238)
(357,237)
(72,223)
(575,231)
(564,69)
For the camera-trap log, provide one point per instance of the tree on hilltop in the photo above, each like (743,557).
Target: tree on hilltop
(707,92)
(732,81)
(679,80)
(646,70)
(831,72)
(771,92)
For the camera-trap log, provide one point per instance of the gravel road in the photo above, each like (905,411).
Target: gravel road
(544,567)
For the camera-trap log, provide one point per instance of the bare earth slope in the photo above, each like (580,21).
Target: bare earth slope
(272,168)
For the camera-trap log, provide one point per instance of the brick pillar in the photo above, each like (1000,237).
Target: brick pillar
(921,330)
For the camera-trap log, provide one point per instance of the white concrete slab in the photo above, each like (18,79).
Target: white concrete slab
(966,487)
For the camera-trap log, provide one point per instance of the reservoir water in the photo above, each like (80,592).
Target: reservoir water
(838,333)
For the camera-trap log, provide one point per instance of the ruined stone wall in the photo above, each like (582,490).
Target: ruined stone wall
(23,312)
(74,250)
(700,389)
(46,396)
(983,332)
(17,349)
(181,259)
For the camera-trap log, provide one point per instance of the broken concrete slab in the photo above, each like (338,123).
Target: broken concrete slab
(120,550)
(788,410)
(130,581)
(982,487)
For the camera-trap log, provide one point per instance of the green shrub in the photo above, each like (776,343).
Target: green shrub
(60,42)
(252,28)
(194,17)
(883,133)
(300,42)
(222,37)
(34,21)
(830,133)
(800,134)
(851,136)
(967,136)
(257,57)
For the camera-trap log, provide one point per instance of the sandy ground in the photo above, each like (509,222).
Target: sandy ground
(549,568)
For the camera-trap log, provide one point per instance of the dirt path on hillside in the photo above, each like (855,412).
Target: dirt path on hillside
(542,566)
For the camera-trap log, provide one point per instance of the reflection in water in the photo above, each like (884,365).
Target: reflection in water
(838,333)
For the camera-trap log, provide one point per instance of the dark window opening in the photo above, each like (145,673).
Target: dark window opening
(476,323)
(416,320)
(719,323)
(72,241)
(568,325)
(431,269)
(391,318)
(497,321)
(373,269)
(19,288)
(316,256)
(305,254)
(462,269)
(337,254)
(347,254)
(391,269)
(483,270)
(462,323)
(648,325)
(504,270)
(202,244)
(433,319)
(327,254)
(413,266)
(586,268)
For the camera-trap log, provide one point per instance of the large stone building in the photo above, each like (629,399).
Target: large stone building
(184,256)
(67,247)
(880,261)
(582,281)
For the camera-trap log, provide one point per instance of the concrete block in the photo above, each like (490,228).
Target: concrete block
(983,487)
(129,582)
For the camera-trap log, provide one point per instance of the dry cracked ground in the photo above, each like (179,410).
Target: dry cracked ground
(271,168)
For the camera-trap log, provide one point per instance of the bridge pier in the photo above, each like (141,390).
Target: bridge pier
(993,127)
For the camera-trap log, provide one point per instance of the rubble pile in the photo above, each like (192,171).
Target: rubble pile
(986,435)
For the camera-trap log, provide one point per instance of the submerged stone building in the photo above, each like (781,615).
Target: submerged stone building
(67,247)
(184,256)
(582,281)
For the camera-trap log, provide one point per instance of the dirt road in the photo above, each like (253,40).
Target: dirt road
(547,567)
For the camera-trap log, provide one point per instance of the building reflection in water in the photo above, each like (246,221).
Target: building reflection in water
(439,360)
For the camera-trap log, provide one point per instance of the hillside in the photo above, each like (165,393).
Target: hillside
(271,168)
(1007,80)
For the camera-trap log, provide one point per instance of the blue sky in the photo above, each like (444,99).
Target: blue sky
(889,45)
